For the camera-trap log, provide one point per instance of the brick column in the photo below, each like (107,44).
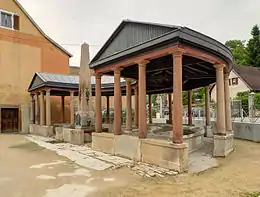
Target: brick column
(42,109)
(142,98)
(117,102)
(227,103)
(32,110)
(98,103)
(136,107)
(37,114)
(190,107)
(72,118)
(150,108)
(207,106)
(177,97)
(48,108)
(221,125)
(63,109)
(108,111)
(128,105)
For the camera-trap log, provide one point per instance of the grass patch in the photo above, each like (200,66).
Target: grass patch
(250,194)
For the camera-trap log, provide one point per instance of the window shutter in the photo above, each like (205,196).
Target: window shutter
(16,22)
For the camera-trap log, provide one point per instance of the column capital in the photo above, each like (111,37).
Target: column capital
(98,75)
(128,81)
(178,52)
(42,92)
(118,70)
(48,91)
(219,66)
(142,63)
(72,92)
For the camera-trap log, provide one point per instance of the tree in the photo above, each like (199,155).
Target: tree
(239,51)
(253,47)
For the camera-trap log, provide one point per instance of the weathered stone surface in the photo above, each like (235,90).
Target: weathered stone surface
(46,131)
(223,145)
(25,115)
(164,154)
(59,133)
(77,136)
(127,146)
(103,142)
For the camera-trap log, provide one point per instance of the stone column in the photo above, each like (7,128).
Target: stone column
(227,103)
(117,102)
(108,111)
(98,103)
(63,109)
(170,107)
(251,98)
(42,109)
(150,108)
(221,124)
(72,118)
(128,105)
(190,107)
(32,110)
(48,108)
(136,107)
(177,98)
(207,106)
(142,98)
(37,115)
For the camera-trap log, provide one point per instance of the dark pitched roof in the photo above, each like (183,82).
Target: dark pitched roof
(41,79)
(133,36)
(250,75)
(40,30)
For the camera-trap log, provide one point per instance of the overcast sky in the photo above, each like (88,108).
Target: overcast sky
(72,22)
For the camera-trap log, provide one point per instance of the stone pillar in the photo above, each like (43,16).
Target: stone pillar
(72,117)
(136,107)
(98,103)
(117,102)
(208,129)
(37,115)
(42,109)
(48,108)
(251,97)
(190,107)
(227,103)
(63,109)
(177,98)
(170,107)
(150,108)
(32,110)
(142,99)
(108,111)
(221,121)
(128,105)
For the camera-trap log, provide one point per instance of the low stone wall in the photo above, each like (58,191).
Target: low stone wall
(242,130)
(159,152)
(195,141)
(247,131)
(42,130)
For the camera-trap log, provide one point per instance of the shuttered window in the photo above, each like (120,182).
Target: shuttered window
(9,20)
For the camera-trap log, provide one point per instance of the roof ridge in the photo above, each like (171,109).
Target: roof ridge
(40,30)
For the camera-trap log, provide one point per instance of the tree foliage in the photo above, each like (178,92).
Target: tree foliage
(246,54)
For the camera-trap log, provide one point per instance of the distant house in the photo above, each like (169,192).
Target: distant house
(242,78)
(24,50)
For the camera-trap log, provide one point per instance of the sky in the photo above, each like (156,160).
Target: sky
(72,22)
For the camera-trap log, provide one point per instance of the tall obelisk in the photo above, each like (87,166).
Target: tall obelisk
(84,119)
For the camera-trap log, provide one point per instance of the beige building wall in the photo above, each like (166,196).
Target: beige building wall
(22,53)
(233,89)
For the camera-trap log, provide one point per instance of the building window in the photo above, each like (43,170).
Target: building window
(9,20)
(235,81)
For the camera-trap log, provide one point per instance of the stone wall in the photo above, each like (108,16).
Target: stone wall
(42,130)
(159,152)
(242,130)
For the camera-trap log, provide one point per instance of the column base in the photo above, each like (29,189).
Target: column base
(223,144)
(208,131)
